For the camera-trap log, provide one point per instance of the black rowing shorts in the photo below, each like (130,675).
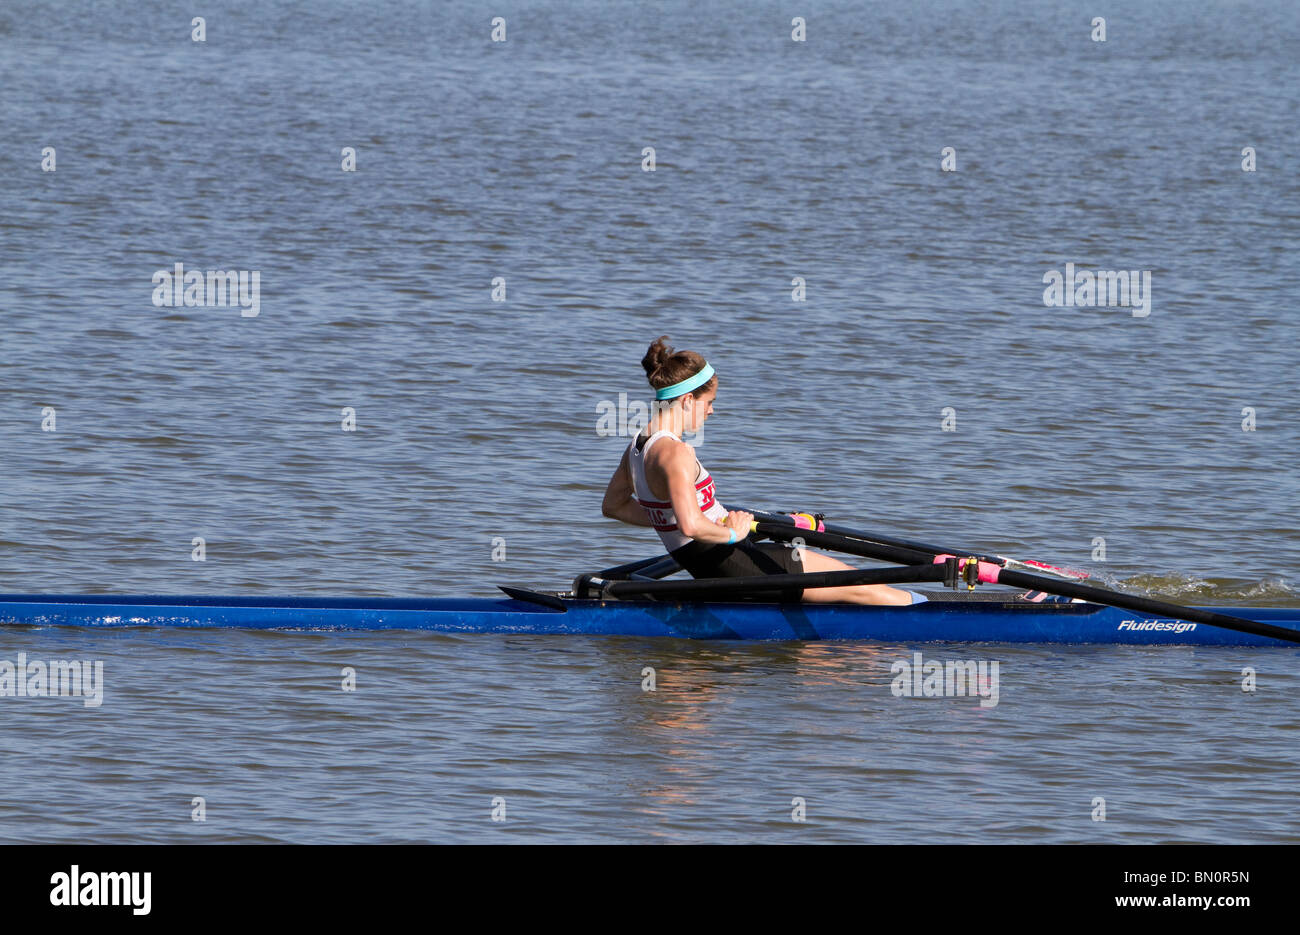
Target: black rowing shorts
(743,559)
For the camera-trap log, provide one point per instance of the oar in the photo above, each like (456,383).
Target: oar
(993,573)
(899,553)
(1013,563)
(660,566)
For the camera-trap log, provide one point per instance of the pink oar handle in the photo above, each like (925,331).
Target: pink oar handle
(807,521)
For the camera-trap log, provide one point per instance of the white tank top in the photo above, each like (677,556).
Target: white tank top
(660,512)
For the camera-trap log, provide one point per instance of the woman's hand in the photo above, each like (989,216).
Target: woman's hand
(738,521)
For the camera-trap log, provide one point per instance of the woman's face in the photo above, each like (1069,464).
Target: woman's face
(698,409)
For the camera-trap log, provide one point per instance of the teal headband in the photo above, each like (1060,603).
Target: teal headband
(690,383)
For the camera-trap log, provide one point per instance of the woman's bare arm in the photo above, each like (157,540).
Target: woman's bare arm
(680,467)
(620,501)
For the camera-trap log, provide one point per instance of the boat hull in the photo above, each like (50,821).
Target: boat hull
(935,621)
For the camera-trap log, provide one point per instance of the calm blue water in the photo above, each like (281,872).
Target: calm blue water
(477,419)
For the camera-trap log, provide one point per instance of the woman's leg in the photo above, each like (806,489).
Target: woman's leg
(852,594)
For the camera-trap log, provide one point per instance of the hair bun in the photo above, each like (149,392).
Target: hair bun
(654,358)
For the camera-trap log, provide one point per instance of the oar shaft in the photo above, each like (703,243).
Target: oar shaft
(841,543)
(932,550)
(660,566)
(787,519)
(1145,605)
(994,573)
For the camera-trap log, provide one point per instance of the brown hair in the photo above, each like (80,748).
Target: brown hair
(664,367)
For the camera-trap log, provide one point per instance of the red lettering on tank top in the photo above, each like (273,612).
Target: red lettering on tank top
(704,493)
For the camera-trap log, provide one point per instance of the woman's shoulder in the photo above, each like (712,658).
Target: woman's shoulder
(671,451)
(662,444)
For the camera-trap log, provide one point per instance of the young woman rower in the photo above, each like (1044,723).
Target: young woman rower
(659,483)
